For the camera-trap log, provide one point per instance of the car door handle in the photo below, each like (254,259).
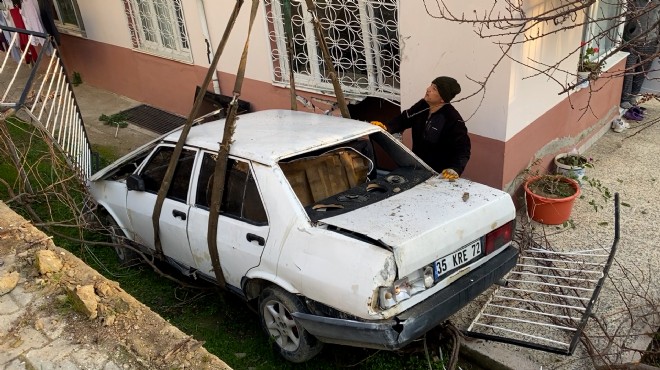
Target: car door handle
(251,237)
(179,214)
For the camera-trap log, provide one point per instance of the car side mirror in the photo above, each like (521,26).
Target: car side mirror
(135,182)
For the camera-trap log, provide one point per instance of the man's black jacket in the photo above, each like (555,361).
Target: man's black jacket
(441,140)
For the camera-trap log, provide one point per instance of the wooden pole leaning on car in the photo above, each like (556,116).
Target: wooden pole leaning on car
(167,180)
(223,154)
(329,66)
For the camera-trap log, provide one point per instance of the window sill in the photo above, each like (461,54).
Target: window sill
(71,31)
(609,63)
(174,58)
(614,59)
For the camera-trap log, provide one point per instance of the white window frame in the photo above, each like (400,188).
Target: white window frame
(69,28)
(313,81)
(180,49)
(593,28)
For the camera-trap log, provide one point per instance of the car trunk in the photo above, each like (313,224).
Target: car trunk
(430,220)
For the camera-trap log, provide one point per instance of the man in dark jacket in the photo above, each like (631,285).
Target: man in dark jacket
(440,137)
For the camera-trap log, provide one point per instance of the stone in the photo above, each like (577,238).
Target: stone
(48,261)
(109,320)
(39,324)
(103,289)
(8,282)
(85,300)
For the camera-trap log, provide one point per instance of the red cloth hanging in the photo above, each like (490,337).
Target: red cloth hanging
(23,38)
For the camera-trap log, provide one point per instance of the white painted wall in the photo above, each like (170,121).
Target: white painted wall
(512,100)
(430,47)
(218,14)
(105,21)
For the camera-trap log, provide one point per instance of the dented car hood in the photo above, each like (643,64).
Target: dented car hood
(431,220)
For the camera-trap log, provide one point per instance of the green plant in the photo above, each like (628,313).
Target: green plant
(586,64)
(76,79)
(552,186)
(603,190)
(576,160)
(117,119)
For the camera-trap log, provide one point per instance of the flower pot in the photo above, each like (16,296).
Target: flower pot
(546,209)
(583,79)
(576,172)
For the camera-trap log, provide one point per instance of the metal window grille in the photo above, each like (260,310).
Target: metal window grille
(158,26)
(363,39)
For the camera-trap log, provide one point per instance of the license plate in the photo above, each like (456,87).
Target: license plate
(459,258)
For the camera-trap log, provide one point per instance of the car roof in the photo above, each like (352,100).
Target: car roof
(271,135)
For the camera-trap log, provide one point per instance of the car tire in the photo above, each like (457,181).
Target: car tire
(290,339)
(126,256)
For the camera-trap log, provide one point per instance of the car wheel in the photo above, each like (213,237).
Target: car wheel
(292,341)
(126,256)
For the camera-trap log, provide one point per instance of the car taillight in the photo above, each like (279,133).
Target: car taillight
(499,237)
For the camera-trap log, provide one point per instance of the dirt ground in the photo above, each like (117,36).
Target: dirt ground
(120,325)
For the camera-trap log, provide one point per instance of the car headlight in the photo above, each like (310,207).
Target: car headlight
(405,288)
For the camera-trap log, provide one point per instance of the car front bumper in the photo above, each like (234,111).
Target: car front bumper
(396,333)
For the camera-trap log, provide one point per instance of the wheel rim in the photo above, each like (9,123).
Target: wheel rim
(281,325)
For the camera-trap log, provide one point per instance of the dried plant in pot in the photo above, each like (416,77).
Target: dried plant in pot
(550,198)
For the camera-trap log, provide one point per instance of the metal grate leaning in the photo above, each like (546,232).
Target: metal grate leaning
(548,297)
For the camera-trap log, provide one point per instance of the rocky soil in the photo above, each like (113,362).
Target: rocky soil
(92,311)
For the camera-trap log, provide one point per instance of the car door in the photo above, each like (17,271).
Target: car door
(242,224)
(174,214)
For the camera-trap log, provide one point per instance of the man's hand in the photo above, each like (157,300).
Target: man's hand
(449,174)
(379,124)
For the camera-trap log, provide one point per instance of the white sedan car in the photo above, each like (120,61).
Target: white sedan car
(334,228)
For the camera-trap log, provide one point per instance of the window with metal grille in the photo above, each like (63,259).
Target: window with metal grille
(67,17)
(362,36)
(158,26)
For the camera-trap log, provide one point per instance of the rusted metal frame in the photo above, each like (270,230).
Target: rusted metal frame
(167,180)
(288,31)
(329,66)
(223,154)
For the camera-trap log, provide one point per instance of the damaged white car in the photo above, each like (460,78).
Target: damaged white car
(336,229)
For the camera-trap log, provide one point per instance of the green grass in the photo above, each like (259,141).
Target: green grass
(220,319)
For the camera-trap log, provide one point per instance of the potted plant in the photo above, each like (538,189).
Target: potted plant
(550,198)
(573,165)
(588,69)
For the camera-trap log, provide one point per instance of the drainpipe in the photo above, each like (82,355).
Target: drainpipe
(207,40)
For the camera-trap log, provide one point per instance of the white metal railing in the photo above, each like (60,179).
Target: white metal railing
(39,85)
